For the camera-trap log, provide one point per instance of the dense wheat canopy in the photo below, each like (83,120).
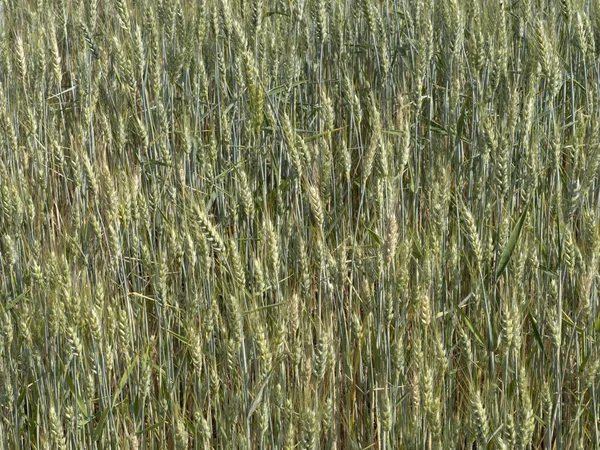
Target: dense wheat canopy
(299,224)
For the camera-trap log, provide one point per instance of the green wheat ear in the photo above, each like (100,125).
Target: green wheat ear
(229,224)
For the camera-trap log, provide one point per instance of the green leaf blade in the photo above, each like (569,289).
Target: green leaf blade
(511,244)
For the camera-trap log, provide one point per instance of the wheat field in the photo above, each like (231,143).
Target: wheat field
(299,224)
